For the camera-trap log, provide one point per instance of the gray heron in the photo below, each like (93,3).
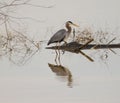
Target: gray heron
(61,35)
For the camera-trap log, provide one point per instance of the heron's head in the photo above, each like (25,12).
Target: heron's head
(71,23)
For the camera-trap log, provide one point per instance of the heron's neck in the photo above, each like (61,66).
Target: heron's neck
(69,28)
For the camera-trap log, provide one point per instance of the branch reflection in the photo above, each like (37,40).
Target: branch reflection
(62,73)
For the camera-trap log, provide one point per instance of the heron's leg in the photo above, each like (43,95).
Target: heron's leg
(56,55)
(73,34)
(59,54)
(65,43)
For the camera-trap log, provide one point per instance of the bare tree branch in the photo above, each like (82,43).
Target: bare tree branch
(13,43)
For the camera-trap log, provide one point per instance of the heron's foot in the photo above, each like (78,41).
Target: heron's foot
(65,43)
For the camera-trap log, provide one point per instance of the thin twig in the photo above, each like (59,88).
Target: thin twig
(111,41)
(89,58)
(81,47)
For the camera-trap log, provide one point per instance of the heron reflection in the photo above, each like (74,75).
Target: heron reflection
(61,35)
(62,73)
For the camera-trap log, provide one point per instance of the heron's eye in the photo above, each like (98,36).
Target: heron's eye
(70,22)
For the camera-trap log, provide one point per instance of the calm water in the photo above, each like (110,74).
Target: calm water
(36,82)
(78,80)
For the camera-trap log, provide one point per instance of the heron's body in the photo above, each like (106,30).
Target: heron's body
(61,35)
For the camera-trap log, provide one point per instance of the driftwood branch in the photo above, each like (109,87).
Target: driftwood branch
(76,47)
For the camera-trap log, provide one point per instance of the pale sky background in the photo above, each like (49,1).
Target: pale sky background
(35,83)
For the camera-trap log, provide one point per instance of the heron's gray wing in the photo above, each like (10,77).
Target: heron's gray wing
(58,36)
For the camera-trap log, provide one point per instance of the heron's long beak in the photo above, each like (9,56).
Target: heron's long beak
(75,25)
